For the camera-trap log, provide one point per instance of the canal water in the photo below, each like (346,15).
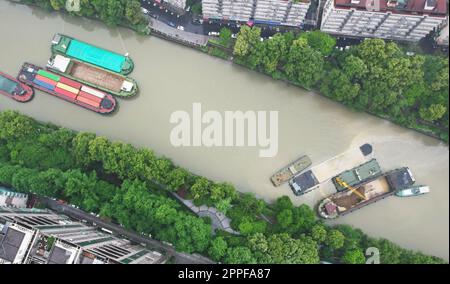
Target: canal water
(173,77)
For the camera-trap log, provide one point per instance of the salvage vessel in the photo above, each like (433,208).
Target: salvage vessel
(290,170)
(67,89)
(12,88)
(91,75)
(70,47)
(369,192)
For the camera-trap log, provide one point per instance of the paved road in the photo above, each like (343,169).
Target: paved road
(180,258)
(191,26)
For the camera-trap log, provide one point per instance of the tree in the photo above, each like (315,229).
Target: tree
(354,67)
(320,41)
(225,36)
(239,255)
(285,218)
(281,248)
(433,112)
(14,126)
(247,39)
(338,86)
(218,248)
(177,178)
(304,64)
(133,12)
(355,256)
(319,233)
(200,189)
(274,51)
(335,239)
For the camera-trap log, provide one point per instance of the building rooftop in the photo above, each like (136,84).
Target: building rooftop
(433,7)
(10,243)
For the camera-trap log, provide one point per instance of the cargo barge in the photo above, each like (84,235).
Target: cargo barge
(290,170)
(66,89)
(91,54)
(371,191)
(12,88)
(323,172)
(85,73)
(357,175)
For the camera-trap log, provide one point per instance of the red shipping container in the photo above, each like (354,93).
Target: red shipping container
(65,93)
(88,101)
(90,97)
(69,82)
(46,80)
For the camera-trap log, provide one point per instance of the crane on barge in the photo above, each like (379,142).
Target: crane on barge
(352,189)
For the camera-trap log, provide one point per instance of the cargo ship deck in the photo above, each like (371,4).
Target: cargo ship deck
(373,190)
(113,83)
(85,52)
(12,88)
(66,89)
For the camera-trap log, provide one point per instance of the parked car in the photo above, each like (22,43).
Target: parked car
(234,36)
(181,28)
(172,24)
(213,33)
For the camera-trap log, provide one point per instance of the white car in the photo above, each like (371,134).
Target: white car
(213,34)
(181,28)
(234,36)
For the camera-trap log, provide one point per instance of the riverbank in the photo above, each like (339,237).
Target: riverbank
(173,78)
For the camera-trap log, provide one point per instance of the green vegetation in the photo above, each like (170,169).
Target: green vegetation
(374,76)
(111,12)
(132,186)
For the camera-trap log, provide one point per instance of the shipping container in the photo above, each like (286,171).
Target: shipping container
(46,80)
(69,82)
(48,75)
(67,88)
(43,84)
(93,92)
(88,101)
(89,96)
(65,93)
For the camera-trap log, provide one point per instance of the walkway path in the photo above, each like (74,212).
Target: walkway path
(219,220)
(176,34)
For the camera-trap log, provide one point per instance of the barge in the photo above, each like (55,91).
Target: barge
(70,47)
(91,75)
(323,172)
(67,89)
(12,88)
(290,170)
(357,175)
(371,191)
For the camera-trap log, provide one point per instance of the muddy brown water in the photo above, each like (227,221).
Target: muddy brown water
(172,77)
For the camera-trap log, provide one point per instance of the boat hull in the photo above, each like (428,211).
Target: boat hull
(26,97)
(87,74)
(126,68)
(24,77)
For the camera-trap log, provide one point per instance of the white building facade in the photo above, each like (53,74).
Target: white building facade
(273,12)
(409,20)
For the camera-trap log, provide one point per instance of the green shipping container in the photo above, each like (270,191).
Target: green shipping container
(49,75)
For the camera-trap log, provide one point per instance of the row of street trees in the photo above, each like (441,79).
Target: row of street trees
(374,76)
